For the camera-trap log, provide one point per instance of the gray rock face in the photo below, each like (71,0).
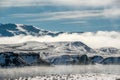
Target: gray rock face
(10,59)
(82,60)
(69,59)
(96,59)
(111,60)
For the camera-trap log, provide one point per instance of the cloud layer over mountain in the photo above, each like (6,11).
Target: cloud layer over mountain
(63,15)
(94,40)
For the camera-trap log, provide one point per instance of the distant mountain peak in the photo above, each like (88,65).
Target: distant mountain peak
(109,50)
(8,30)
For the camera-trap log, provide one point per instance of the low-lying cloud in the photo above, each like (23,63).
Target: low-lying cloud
(94,40)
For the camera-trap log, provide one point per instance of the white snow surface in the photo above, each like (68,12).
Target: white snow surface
(81,72)
(76,77)
(20,28)
(48,47)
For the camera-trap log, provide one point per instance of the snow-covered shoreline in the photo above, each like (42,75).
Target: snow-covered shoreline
(73,77)
(83,72)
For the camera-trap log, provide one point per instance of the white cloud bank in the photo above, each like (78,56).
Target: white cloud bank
(112,13)
(94,40)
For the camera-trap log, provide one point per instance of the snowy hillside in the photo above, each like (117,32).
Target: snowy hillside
(20,29)
(55,53)
(76,47)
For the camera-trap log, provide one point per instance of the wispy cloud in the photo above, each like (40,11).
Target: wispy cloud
(91,3)
(50,16)
(75,22)
(21,3)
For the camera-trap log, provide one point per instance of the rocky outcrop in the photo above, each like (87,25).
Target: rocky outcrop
(96,59)
(10,59)
(70,60)
(82,60)
(111,60)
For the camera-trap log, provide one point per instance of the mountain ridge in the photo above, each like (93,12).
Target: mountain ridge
(8,30)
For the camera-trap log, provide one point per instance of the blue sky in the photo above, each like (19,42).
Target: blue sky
(63,15)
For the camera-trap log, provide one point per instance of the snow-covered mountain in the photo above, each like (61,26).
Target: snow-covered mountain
(20,29)
(29,53)
(57,53)
(54,48)
(42,50)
